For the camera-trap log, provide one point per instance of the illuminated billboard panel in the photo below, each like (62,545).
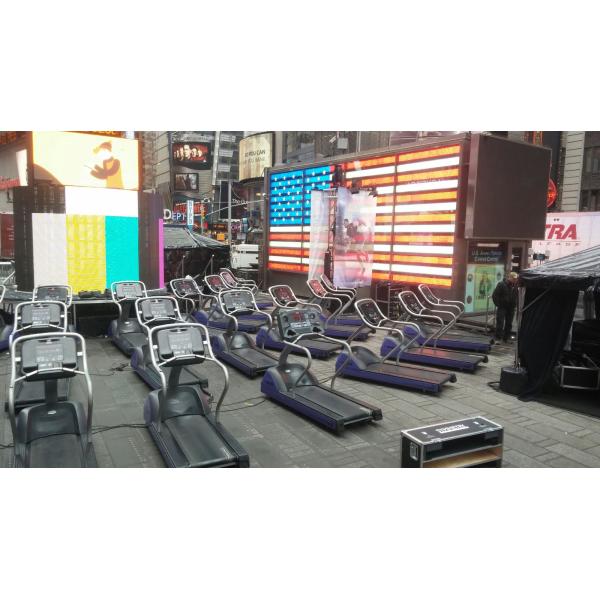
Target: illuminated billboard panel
(417,195)
(79,159)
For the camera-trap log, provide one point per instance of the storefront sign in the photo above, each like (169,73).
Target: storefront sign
(256,154)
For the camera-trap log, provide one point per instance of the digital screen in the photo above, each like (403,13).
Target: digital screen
(129,290)
(181,343)
(185,287)
(40,315)
(193,155)
(228,278)
(49,355)
(80,159)
(159,309)
(56,294)
(215,281)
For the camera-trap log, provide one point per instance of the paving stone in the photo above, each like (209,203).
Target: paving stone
(584,458)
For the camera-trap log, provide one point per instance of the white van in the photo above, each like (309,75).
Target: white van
(244,256)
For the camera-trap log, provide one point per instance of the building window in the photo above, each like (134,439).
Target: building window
(591,160)
(590,200)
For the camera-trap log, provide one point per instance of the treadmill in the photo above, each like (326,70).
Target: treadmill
(294,386)
(125,332)
(457,310)
(346,315)
(332,323)
(263,301)
(35,318)
(364,364)
(268,336)
(179,417)
(55,433)
(235,347)
(186,289)
(150,313)
(400,346)
(440,338)
(216,319)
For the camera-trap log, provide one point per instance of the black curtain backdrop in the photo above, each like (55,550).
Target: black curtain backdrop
(544,329)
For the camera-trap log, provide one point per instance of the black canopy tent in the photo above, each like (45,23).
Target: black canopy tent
(551,294)
(189,253)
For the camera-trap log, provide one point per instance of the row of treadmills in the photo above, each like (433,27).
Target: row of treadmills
(168,335)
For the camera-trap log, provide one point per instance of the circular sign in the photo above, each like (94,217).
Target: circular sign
(552,193)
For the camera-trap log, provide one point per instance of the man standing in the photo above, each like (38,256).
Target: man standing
(505,298)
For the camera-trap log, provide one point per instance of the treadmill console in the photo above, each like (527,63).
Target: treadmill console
(293,322)
(327,281)
(317,288)
(237,301)
(58,293)
(158,309)
(283,294)
(41,316)
(181,345)
(48,357)
(411,302)
(215,283)
(370,312)
(228,278)
(184,287)
(129,290)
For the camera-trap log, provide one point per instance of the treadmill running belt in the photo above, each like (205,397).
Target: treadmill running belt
(329,401)
(429,376)
(198,440)
(254,357)
(58,451)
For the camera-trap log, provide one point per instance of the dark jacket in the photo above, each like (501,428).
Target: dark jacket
(505,295)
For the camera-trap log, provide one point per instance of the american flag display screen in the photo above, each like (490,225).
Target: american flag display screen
(417,194)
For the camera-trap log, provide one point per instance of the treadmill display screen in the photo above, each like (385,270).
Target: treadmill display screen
(228,279)
(369,311)
(52,293)
(293,323)
(215,282)
(237,301)
(129,290)
(184,287)
(49,356)
(181,343)
(283,295)
(159,309)
(40,315)
(317,288)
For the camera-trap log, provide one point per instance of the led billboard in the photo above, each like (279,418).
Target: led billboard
(80,159)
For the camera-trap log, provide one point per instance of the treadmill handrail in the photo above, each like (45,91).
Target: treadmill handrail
(440,301)
(207,351)
(331,289)
(84,371)
(288,346)
(436,334)
(405,342)
(18,317)
(235,277)
(326,297)
(3,287)
(294,298)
